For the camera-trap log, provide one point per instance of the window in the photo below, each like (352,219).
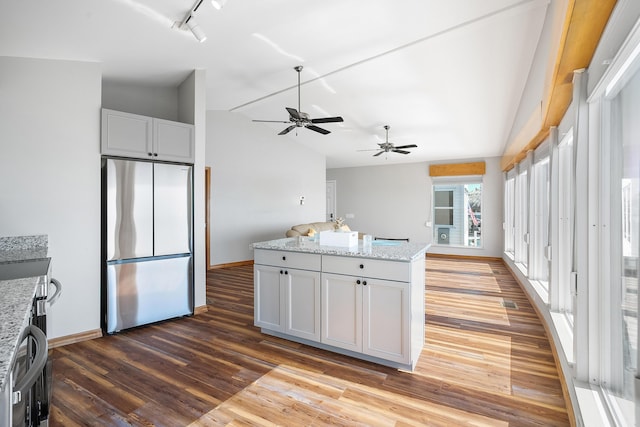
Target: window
(539,268)
(621,351)
(521,226)
(443,207)
(565,226)
(509,204)
(457,212)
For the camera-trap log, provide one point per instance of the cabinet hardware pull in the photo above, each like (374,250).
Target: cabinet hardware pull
(286,272)
(149,154)
(281,272)
(364,282)
(284,258)
(361,265)
(155,154)
(358,281)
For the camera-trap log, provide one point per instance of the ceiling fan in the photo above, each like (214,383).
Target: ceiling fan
(387,146)
(300,119)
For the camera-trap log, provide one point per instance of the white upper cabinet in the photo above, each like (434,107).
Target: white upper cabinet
(133,135)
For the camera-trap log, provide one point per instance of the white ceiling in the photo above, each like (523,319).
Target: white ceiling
(445,75)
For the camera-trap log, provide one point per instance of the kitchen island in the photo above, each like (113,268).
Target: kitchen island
(364,301)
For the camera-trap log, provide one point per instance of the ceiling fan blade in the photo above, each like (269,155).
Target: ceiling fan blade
(287,130)
(317,129)
(407,146)
(400,151)
(328,120)
(377,154)
(371,149)
(293,113)
(270,121)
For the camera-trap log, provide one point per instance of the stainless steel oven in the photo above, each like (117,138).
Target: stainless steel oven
(31,373)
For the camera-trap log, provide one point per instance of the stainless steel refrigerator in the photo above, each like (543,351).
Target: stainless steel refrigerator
(147,242)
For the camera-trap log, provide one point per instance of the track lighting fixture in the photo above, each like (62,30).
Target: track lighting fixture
(195,29)
(218,4)
(190,23)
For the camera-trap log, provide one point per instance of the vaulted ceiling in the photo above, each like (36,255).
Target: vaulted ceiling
(447,76)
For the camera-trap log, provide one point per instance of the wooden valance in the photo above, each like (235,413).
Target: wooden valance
(457,169)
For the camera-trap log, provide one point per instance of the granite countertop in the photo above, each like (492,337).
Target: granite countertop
(16,296)
(380,249)
(16,299)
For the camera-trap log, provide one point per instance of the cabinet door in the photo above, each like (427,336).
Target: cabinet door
(125,134)
(386,317)
(341,311)
(302,292)
(173,141)
(268,309)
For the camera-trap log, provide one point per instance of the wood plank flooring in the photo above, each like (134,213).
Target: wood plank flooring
(482,365)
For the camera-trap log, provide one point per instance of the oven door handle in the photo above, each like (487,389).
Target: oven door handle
(38,364)
(52,299)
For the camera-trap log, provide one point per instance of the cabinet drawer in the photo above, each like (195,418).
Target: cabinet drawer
(302,261)
(366,267)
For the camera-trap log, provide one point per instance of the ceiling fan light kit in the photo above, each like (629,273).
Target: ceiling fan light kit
(300,119)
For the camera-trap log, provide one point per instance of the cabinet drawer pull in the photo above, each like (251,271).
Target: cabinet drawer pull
(358,281)
(361,266)
(150,154)
(281,272)
(364,282)
(284,258)
(286,272)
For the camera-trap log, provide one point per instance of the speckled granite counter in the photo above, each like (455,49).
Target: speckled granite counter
(380,249)
(16,296)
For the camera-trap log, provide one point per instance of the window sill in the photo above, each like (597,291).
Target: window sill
(565,334)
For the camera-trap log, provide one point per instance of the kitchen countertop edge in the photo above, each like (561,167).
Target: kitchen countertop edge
(398,251)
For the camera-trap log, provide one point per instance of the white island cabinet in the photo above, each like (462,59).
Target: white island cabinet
(366,304)
(287,293)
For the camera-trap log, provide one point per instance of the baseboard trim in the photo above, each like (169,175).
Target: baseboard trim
(75,338)
(469,257)
(230,264)
(199,310)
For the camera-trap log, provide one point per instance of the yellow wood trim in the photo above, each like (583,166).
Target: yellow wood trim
(457,169)
(200,309)
(74,338)
(583,27)
(230,264)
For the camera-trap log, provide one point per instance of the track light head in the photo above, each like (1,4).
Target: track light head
(218,4)
(195,29)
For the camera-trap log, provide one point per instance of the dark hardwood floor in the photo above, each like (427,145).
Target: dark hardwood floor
(482,364)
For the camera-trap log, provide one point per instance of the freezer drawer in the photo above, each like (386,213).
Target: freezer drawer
(148,291)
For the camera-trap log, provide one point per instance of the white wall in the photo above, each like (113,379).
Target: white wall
(152,101)
(192,109)
(386,201)
(257,178)
(50,175)
(395,201)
